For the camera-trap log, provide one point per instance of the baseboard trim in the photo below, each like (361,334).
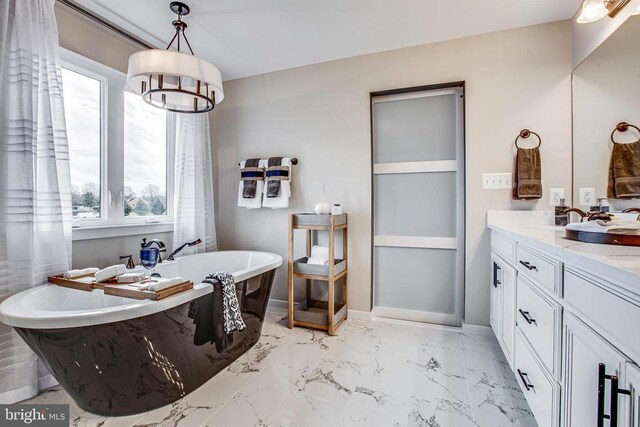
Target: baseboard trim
(278,304)
(46,381)
(359,315)
(415,316)
(485,331)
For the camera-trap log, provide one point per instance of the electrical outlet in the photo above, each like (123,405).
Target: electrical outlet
(496,181)
(587,197)
(555,194)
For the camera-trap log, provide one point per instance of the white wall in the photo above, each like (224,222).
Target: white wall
(320,114)
(606,90)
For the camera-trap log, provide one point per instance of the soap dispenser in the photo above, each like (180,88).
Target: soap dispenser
(562,217)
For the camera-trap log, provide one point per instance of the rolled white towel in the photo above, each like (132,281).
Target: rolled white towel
(79,272)
(110,272)
(130,277)
(161,284)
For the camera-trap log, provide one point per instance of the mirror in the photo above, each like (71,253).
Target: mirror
(606,91)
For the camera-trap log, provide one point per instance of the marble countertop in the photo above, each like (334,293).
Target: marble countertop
(618,263)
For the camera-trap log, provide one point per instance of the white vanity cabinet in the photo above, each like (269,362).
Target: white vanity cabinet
(503,305)
(570,330)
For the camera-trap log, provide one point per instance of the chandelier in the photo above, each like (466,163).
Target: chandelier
(175,80)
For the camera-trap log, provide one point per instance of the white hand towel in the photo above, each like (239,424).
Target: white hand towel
(130,277)
(256,202)
(80,272)
(319,255)
(110,272)
(282,201)
(161,284)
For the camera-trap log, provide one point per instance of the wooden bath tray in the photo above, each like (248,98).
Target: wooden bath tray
(128,291)
(626,238)
(82,283)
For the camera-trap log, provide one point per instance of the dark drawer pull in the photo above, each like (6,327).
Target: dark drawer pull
(525,380)
(527,317)
(613,398)
(529,266)
(496,270)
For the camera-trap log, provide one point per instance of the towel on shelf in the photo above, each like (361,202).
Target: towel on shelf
(160,284)
(319,255)
(527,175)
(251,183)
(624,171)
(277,190)
(110,272)
(80,272)
(231,308)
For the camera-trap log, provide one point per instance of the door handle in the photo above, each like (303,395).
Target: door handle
(528,265)
(525,380)
(613,398)
(496,269)
(527,317)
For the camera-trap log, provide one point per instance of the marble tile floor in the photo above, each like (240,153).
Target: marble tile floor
(369,374)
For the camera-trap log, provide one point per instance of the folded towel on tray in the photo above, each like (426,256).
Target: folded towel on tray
(277,189)
(231,308)
(251,183)
(160,284)
(79,272)
(130,277)
(527,175)
(110,272)
(624,171)
(319,255)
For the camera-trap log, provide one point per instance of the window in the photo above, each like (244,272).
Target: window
(82,100)
(145,158)
(119,154)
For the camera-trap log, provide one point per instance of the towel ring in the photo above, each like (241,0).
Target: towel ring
(526,133)
(622,127)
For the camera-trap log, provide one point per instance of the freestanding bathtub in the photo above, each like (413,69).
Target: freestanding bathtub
(119,356)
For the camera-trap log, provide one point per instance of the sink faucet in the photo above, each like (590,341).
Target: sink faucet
(192,243)
(589,216)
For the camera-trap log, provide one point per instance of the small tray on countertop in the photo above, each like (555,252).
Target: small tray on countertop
(613,237)
(127,291)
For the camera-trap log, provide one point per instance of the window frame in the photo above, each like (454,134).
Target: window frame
(113,222)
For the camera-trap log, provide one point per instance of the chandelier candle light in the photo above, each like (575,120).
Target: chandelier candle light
(174,80)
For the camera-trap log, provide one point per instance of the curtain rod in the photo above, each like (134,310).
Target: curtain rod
(100,20)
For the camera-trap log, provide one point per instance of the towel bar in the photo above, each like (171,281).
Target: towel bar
(294,161)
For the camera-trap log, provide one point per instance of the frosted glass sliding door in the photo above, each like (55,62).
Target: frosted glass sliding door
(418,205)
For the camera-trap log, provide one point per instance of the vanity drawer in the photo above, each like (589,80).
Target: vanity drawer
(504,247)
(614,311)
(539,321)
(540,390)
(542,270)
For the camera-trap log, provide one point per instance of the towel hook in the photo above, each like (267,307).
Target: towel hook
(526,133)
(622,127)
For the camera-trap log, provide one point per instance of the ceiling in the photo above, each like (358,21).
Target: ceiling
(249,37)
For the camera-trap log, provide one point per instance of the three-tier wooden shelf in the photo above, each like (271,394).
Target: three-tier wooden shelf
(314,313)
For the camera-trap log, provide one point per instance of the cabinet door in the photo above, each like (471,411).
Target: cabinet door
(586,398)
(633,385)
(495,299)
(508,310)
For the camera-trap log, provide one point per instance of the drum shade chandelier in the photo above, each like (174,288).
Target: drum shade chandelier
(175,80)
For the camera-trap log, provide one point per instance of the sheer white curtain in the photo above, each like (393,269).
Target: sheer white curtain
(35,199)
(193,193)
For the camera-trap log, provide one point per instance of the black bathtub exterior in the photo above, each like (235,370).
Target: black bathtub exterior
(140,364)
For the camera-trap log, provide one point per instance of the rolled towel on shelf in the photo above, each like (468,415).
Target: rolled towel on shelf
(110,272)
(319,255)
(80,272)
(277,190)
(251,183)
(160,284)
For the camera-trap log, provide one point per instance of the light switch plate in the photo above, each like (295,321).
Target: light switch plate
(496,181)
(555,194)
(587,197)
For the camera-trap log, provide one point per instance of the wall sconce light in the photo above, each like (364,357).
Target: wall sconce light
(594,10)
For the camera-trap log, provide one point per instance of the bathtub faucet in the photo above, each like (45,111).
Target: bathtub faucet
(193,243)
